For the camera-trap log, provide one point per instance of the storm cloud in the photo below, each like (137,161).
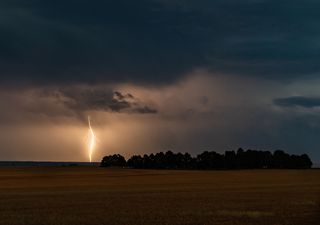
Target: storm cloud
(156,41)
(78,101)
(104,100)
(302,101)
(158,74)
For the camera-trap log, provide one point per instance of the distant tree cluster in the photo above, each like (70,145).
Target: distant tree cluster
(113,160)
(250,159)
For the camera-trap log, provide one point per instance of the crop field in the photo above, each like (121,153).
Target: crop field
(94,196)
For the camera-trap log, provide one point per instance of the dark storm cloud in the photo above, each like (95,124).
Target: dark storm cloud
(156,41)
(302,101)
(102,100)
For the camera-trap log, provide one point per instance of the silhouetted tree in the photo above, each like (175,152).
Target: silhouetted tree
(250,159)
(230,160)
(135,161)
(305,161)
(113,160)
(281,160)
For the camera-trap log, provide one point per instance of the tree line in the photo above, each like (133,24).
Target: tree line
(240,159)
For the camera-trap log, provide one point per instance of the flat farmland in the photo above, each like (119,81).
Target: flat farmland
(94,196)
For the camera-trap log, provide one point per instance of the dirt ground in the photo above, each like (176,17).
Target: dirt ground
(94,196)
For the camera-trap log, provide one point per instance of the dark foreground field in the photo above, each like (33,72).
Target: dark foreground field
(81,196)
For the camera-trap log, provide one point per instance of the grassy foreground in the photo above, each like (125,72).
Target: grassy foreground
(94,196)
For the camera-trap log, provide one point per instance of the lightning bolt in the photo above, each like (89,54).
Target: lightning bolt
(91,140)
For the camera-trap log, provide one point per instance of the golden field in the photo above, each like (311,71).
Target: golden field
(94,196)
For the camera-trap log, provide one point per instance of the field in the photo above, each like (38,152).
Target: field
(94,196)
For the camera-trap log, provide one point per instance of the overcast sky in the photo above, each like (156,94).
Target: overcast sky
(155,75)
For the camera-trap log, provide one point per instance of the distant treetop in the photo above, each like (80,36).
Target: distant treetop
(250,159)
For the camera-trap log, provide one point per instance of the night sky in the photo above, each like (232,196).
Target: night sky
(155,75)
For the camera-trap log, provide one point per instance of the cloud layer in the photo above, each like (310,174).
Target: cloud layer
(201,112)
(156,41)
(158,74)
(302,101)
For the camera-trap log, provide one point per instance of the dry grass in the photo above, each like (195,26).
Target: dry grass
(94,196)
